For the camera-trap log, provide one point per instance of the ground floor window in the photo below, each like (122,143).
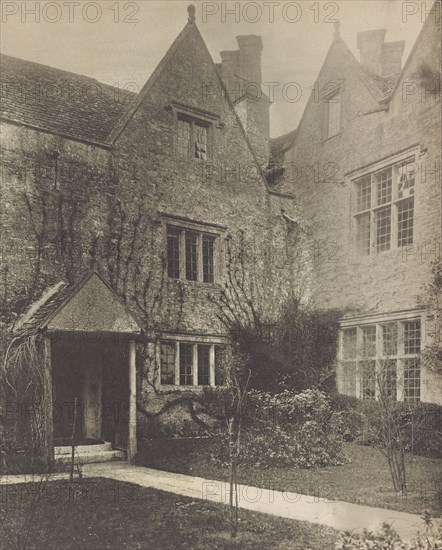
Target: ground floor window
(381,359)
(191,363)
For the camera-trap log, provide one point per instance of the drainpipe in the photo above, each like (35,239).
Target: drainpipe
(132,433)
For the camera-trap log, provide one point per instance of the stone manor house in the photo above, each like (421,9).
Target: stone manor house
(135,226)
(364,166)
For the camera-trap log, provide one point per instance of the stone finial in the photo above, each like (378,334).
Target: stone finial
(337,33)
(191,12)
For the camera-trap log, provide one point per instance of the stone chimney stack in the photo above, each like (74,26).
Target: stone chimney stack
(229,70)
(241,74)
(379,57)
(370,45)
(250,48)
(392,57)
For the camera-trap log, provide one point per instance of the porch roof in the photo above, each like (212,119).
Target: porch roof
(87,306)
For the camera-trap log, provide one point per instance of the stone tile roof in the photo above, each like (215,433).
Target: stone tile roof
(41,311)
(278,146)
(59,101)
(97,307)
(385,84)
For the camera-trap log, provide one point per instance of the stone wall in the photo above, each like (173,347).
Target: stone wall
(69,206)
(319,173)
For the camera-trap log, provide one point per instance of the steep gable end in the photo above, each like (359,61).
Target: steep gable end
(88,306)
(128,114)
(423,63)
(339,67)
(93,307)
(185,81)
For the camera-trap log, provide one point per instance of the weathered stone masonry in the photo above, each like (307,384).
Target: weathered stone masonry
(94,178)
(97,187)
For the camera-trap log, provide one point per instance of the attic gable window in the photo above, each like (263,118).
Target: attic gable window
(332,115)
(192,137)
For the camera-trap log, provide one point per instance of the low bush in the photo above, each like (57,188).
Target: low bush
(286,429)
(21,460)
(388,539)
(169,426)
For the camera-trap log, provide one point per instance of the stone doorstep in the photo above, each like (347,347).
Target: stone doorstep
(92,458)
(83,449)
(88,454)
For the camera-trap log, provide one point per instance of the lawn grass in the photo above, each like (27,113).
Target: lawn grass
(100,514)
(365,479)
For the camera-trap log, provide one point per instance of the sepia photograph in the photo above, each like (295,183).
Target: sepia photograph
(220,275)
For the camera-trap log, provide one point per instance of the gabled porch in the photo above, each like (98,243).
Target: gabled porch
(89,364)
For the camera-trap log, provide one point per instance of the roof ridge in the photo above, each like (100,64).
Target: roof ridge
(80,75)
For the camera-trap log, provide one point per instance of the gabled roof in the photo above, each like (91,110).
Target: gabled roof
(87,306)
(58,101)
(98,121)
(381,88)
(130,111)
(41,310)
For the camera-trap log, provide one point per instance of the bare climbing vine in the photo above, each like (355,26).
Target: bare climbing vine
(81,218)
(21,386)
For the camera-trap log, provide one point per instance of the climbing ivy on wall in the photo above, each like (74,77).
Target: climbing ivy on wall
(71,217)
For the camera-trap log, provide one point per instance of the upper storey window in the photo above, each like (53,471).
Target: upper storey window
(192,138)
(332,115)
(192,254)
(194,131)
(384,207)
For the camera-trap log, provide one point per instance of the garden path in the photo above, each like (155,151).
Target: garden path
(337,514)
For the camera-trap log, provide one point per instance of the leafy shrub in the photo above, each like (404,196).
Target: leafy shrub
(388,539)
(350,425)
(287,429)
